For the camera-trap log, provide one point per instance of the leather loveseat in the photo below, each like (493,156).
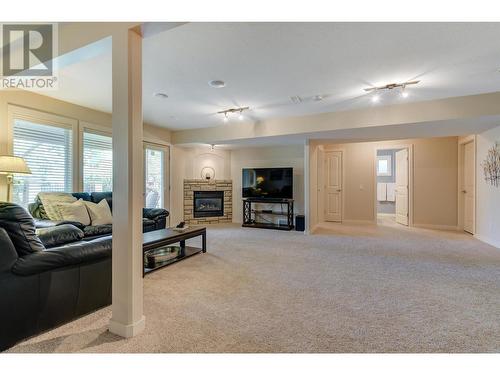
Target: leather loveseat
(49,278)
(152,218)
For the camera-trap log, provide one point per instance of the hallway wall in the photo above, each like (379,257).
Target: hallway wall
(487,196)
(434,187)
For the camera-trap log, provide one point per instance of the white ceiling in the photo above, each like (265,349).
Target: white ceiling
(264,64)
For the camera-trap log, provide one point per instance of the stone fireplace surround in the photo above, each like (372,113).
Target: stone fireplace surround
(192,185)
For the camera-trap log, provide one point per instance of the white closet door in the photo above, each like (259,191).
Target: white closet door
(333,185)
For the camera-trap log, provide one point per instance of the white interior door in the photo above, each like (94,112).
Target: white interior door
(468,192)
(333,185)
(402,187)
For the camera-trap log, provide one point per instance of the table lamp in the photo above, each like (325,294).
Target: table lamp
(10,165)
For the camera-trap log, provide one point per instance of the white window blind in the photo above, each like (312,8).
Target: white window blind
(48,151)
(97,162)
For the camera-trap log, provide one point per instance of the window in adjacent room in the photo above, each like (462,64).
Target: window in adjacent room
(384,165)
(48,151)
(97,162)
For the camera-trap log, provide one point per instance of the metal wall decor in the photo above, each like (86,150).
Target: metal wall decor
(207,173)
(491,166)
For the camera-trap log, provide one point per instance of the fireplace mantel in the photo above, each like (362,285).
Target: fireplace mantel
(192,185)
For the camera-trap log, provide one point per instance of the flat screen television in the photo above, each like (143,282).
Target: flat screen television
(267,183)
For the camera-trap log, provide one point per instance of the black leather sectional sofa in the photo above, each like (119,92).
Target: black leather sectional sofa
(50,275)
(152,218)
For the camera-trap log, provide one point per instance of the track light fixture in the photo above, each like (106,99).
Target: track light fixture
(391,86)
(233,110)
(404,93)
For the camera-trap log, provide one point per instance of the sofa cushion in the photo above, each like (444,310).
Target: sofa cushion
(39,223)
(148,224)
(62,256)
(20,227)
(59,235)
(76,211)
(97,230)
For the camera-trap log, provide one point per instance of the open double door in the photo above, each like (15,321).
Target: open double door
(333,186)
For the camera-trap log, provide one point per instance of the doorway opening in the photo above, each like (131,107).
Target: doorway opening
(393,185)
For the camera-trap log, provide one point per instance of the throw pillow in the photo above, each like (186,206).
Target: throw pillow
(76,211)
(100,213)
(50,202)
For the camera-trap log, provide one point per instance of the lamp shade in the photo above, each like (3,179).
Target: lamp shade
(13,164)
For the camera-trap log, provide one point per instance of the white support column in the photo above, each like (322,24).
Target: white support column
(127,319)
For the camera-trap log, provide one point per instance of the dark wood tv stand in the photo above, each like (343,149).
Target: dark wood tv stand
(249,214)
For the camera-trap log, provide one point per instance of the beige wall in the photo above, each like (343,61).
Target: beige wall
(434,185)
(487,196)
(46,104)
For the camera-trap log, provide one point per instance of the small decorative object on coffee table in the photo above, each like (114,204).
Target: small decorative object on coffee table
(156,247)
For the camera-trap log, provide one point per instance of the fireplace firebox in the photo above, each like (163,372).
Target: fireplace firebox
(208,203)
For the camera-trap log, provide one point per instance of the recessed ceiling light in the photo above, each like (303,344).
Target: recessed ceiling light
(317,98)
(217,83)
(160,95)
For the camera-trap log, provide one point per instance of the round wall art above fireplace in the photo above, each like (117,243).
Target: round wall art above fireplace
(208,173)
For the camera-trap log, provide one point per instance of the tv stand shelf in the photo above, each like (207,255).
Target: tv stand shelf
(249,214)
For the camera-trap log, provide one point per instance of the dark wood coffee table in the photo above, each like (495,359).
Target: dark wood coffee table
(163,237)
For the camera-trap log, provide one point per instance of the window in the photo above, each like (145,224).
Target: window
(48,151)
(384,165)
(154,172)
(97,162)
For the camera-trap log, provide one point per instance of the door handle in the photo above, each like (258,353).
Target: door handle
(464,191)
(339,190)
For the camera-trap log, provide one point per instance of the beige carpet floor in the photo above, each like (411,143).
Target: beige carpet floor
(346,289)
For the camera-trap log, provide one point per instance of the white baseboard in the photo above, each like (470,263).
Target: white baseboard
(453,228)
(127,330)
(488,240)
